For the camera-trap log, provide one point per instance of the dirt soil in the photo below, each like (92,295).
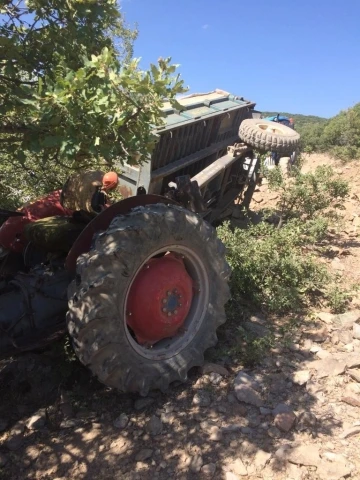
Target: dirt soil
(295,416)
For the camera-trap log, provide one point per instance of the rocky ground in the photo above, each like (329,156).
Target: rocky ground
(294,416)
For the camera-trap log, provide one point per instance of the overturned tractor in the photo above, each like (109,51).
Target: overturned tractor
(141,286)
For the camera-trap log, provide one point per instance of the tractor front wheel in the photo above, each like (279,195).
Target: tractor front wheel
(148,298)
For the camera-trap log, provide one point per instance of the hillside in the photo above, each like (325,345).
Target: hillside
(300,120)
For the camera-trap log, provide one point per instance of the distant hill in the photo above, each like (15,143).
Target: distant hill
(300,120)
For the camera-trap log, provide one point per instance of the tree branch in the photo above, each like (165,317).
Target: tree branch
(17,81)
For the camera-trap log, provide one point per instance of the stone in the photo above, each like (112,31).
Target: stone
(304,455)
(335,338)
(214,368)
(322,354)
(14,441)
(122,421)
(265,411)
(209,469)
(281,453)
(354,374)
(318,335)
(3,460)
(301,377)
(306,420)
(285,421)
(356,331)
(201,399)
(326,317)
(215,378)
(231,476)
(3,424)
(346,320)
(329,367)
(154,426)
(345,336)
(37,421)
(274,432)
(144,454)
(256,329)
(243,378)
(282,408)
(142,403)
(334,467)
(248,395)
(215,434)
(196,463)
(349,432)
(261,459)
(239,468)
(352,400)
(68,423)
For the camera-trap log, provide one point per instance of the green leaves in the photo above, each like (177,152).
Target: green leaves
(72,97)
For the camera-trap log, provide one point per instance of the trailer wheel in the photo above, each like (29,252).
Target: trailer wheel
(268,136)
(148,298)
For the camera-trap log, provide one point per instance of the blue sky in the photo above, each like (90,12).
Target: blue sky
(286,55)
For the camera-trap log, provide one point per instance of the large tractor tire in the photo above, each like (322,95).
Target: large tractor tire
(148,298)
(268,136)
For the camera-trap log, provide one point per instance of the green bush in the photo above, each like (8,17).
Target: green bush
(273,267)
(269,265)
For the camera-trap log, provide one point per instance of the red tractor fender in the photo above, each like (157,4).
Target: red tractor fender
(102,221)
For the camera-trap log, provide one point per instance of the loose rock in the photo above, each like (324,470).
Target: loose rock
(37,421)
(243,378)
(306,420)
(142,403)
(14,441)
(355,374)
(356,331)
(261,459)
(208,470)
(231,476)
(301,377)
(285,421)
(202,399)
(122,421)
(350,432)
(215,378)
(304,455)
(154,426)
(248,395)
(329,367)
(239,468)
(144,454)
(214,368)
(196,463)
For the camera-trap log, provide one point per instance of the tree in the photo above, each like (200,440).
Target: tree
(71,96)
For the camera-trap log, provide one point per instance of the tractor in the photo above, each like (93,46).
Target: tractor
(141,286)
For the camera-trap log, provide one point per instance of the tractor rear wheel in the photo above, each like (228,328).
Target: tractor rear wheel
(148,298)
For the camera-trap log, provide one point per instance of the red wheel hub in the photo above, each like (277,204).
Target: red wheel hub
(159,299)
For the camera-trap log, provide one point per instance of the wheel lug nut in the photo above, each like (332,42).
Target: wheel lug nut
(168,293)
(180,304)
(169,314)
(164,300)
(164,310)
(175,312)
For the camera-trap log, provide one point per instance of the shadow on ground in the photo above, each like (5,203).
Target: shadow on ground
(77,437)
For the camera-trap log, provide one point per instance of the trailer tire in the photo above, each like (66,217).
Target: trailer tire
(98,316)
(268,136)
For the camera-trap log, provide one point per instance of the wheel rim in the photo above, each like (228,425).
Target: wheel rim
(185,323)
